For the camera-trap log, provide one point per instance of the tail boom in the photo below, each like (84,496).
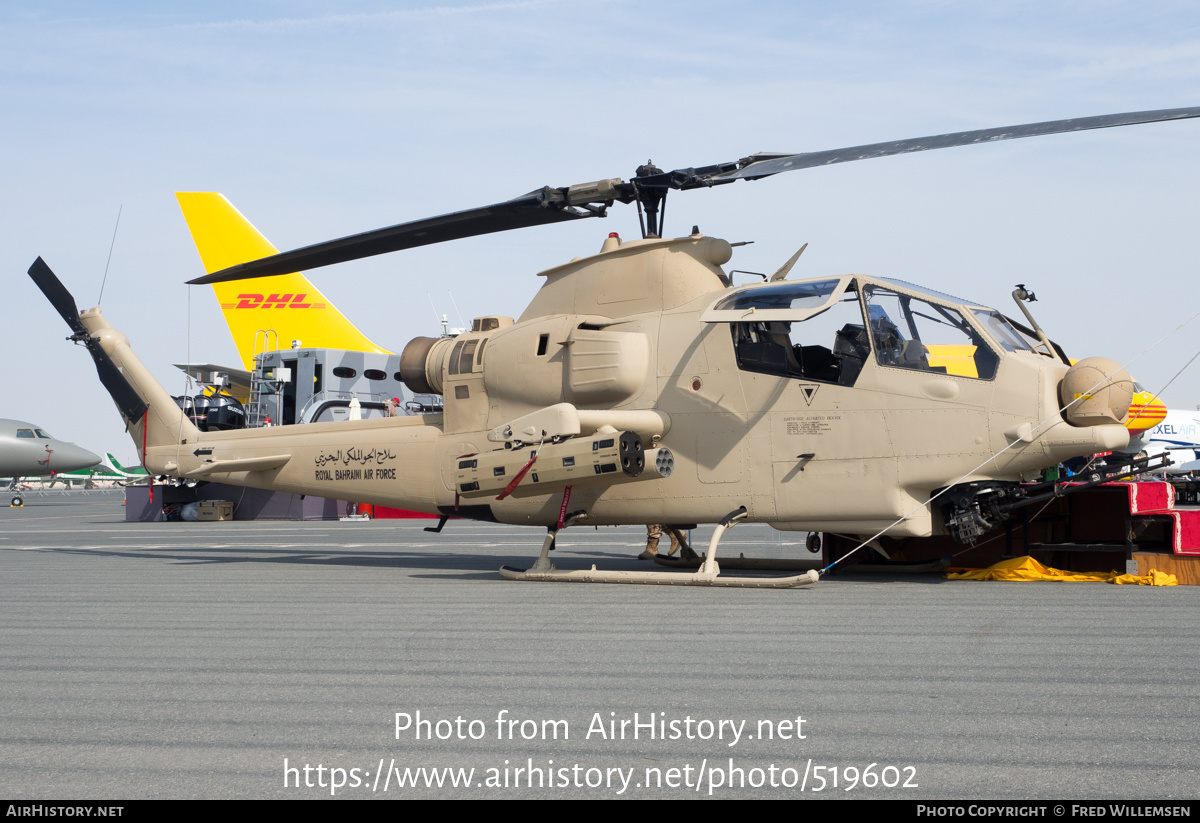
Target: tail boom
(389,461)
(163,424)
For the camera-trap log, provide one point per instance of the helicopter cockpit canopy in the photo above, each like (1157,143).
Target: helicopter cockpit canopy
(787,301)
(993,322)
(825,330)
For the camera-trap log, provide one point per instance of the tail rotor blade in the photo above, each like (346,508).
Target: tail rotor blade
(127,400)
(123,394)
(57,294)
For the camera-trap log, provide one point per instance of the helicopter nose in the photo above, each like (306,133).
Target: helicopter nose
(68,458)
(1096,391)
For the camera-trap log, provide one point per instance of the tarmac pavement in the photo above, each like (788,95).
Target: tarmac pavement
(218,660)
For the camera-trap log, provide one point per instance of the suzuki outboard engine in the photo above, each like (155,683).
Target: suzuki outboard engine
(224,413)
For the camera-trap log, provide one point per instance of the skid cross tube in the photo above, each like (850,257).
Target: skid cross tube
(709,573)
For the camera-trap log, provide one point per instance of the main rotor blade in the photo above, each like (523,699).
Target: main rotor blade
(589,200)
(808,160)
(519,213)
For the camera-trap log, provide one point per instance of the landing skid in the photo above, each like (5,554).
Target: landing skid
(709,573)
(741,562)
(920,567)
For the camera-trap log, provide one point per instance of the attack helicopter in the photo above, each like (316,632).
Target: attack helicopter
(641,385)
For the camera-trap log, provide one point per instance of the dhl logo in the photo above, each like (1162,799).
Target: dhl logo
(274,301)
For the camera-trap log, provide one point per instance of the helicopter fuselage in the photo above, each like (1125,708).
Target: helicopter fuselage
(817,405)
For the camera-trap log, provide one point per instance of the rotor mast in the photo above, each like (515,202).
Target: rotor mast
(650,198)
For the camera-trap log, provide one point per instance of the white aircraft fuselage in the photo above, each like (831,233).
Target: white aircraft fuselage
(1177,436)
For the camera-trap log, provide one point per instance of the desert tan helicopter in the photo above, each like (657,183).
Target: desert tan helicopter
(642,386)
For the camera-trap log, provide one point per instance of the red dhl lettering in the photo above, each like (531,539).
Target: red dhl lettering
(275,301)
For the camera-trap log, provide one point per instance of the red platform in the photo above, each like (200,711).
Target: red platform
(1156,498)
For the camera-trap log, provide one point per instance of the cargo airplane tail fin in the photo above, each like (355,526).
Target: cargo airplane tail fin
(288,303)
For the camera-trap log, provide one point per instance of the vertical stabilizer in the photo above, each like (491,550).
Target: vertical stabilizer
(162,423)
(136,471)
(287,303)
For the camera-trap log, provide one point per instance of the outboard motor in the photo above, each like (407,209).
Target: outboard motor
(188,404)
(199,412)
(224,413)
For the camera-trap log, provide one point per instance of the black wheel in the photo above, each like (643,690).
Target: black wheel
(18,501)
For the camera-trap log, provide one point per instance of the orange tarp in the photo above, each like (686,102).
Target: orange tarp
(1026,568)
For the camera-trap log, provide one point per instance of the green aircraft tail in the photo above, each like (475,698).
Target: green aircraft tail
(134,472)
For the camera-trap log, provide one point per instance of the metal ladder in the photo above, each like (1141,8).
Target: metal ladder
(265,341)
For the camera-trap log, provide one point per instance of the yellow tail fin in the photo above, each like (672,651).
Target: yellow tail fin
(288,303)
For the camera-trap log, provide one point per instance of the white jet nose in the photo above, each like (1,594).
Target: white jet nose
(68,457)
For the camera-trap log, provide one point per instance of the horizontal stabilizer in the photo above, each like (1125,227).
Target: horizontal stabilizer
(242,464)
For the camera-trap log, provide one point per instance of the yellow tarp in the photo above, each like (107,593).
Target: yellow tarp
(1026,568)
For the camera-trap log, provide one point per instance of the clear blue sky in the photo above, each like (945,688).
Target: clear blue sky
(322,119)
